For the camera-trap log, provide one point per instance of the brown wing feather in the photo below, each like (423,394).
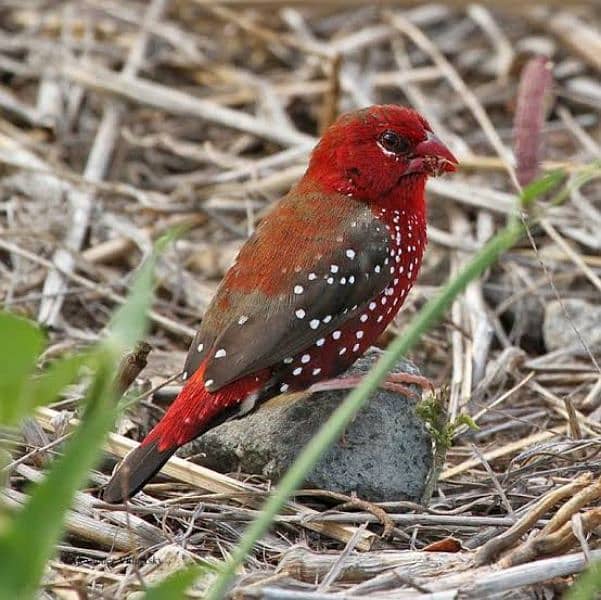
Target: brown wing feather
(330,274)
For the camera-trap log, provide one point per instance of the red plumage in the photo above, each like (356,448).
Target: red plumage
(321,278)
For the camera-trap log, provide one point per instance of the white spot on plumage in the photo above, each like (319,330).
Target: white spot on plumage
(314,323)
(298,289)
(209,382)
(334,268)
(288,360)
(383,301)
(311,276)
(242,320)
(350,253)
(220,353)
(359,334)
(343,281)
(316,371)
(300,313)
(284,387)
(330,280)
(297,371)
(200,347)
(342,351)
(377,268)
(356,347)
(327,318)
(336,334)
(372,305)
(380,318)
(320,342)
(184,375)
(363,318)
(351,279)
(305,358)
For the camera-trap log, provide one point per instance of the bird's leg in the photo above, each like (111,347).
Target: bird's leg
(393,383)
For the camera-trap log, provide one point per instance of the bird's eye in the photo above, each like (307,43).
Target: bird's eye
(393,142)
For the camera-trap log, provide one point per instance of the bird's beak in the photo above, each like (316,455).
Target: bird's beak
(433,157)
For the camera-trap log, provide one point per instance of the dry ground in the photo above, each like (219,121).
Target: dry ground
(121,120)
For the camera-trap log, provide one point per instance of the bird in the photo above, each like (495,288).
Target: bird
(319,280)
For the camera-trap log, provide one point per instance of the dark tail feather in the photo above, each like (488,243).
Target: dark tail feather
(135,470)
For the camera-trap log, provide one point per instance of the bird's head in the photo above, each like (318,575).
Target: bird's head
(370,152)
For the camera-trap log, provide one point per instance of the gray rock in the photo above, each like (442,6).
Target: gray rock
(524,316)
(387,454)
(559,333)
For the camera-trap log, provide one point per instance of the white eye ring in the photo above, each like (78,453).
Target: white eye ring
(392,143)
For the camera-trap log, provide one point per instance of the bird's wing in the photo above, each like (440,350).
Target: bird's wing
(297,279)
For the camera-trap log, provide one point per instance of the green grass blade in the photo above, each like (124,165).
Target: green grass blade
(27,540)
(541,186)
(342,416)
(129,322)
(21,342)
(588,585)
(426,318)
(175,585)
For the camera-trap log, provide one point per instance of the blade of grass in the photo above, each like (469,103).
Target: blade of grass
(341,417)
(28,540)
(177,583)
(20,345)
(588,585)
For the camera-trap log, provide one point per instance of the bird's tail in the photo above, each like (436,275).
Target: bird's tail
(140,465)
(193,412)
(185,419)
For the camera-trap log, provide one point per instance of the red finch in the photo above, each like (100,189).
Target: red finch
(312,289)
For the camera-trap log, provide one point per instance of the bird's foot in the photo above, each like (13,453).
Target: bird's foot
(393,383)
